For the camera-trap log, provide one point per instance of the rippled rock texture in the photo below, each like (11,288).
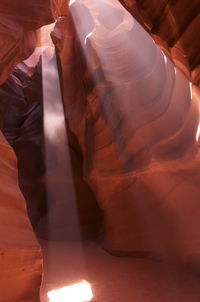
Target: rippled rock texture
(132,121)
(174,25)
(137,128)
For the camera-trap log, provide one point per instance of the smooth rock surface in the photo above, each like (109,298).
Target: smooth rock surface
(20,253)
(174,25)
(132,121)
(115,279)
(19,21)
(137,131)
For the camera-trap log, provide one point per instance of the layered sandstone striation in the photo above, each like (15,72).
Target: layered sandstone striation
(131,118)
(174,25)
(136,128)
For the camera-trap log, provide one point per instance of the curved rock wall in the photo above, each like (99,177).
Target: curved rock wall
(20,253)
(136,129)
(19,21)
(137,136)
(22,125)
(174,25)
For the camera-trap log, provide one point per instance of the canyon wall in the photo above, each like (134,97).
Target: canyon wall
(20,253)
(174,25)
(22,125)
(19,22)
(132,120)
(137,129)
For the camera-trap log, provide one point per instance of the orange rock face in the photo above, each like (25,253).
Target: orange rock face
(20,254)
(175,27)
(16,44)
(18,25)
(137,130)
(132,121)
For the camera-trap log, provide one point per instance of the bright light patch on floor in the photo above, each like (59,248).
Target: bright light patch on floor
(80,292)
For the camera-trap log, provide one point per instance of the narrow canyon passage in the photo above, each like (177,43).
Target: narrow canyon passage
(100,125)
(131,109)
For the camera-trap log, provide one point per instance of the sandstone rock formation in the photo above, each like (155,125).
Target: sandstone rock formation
(22,125)
(18,24)
(72,210)
(20,254)
(136,128)
(21,259)
(174,25)
(132,120)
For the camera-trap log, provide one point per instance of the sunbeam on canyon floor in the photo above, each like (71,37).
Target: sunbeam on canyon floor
(80,292)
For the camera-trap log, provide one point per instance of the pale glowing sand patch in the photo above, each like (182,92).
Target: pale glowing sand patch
(80,292)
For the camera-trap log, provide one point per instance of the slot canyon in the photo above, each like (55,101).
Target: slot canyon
(99,150)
